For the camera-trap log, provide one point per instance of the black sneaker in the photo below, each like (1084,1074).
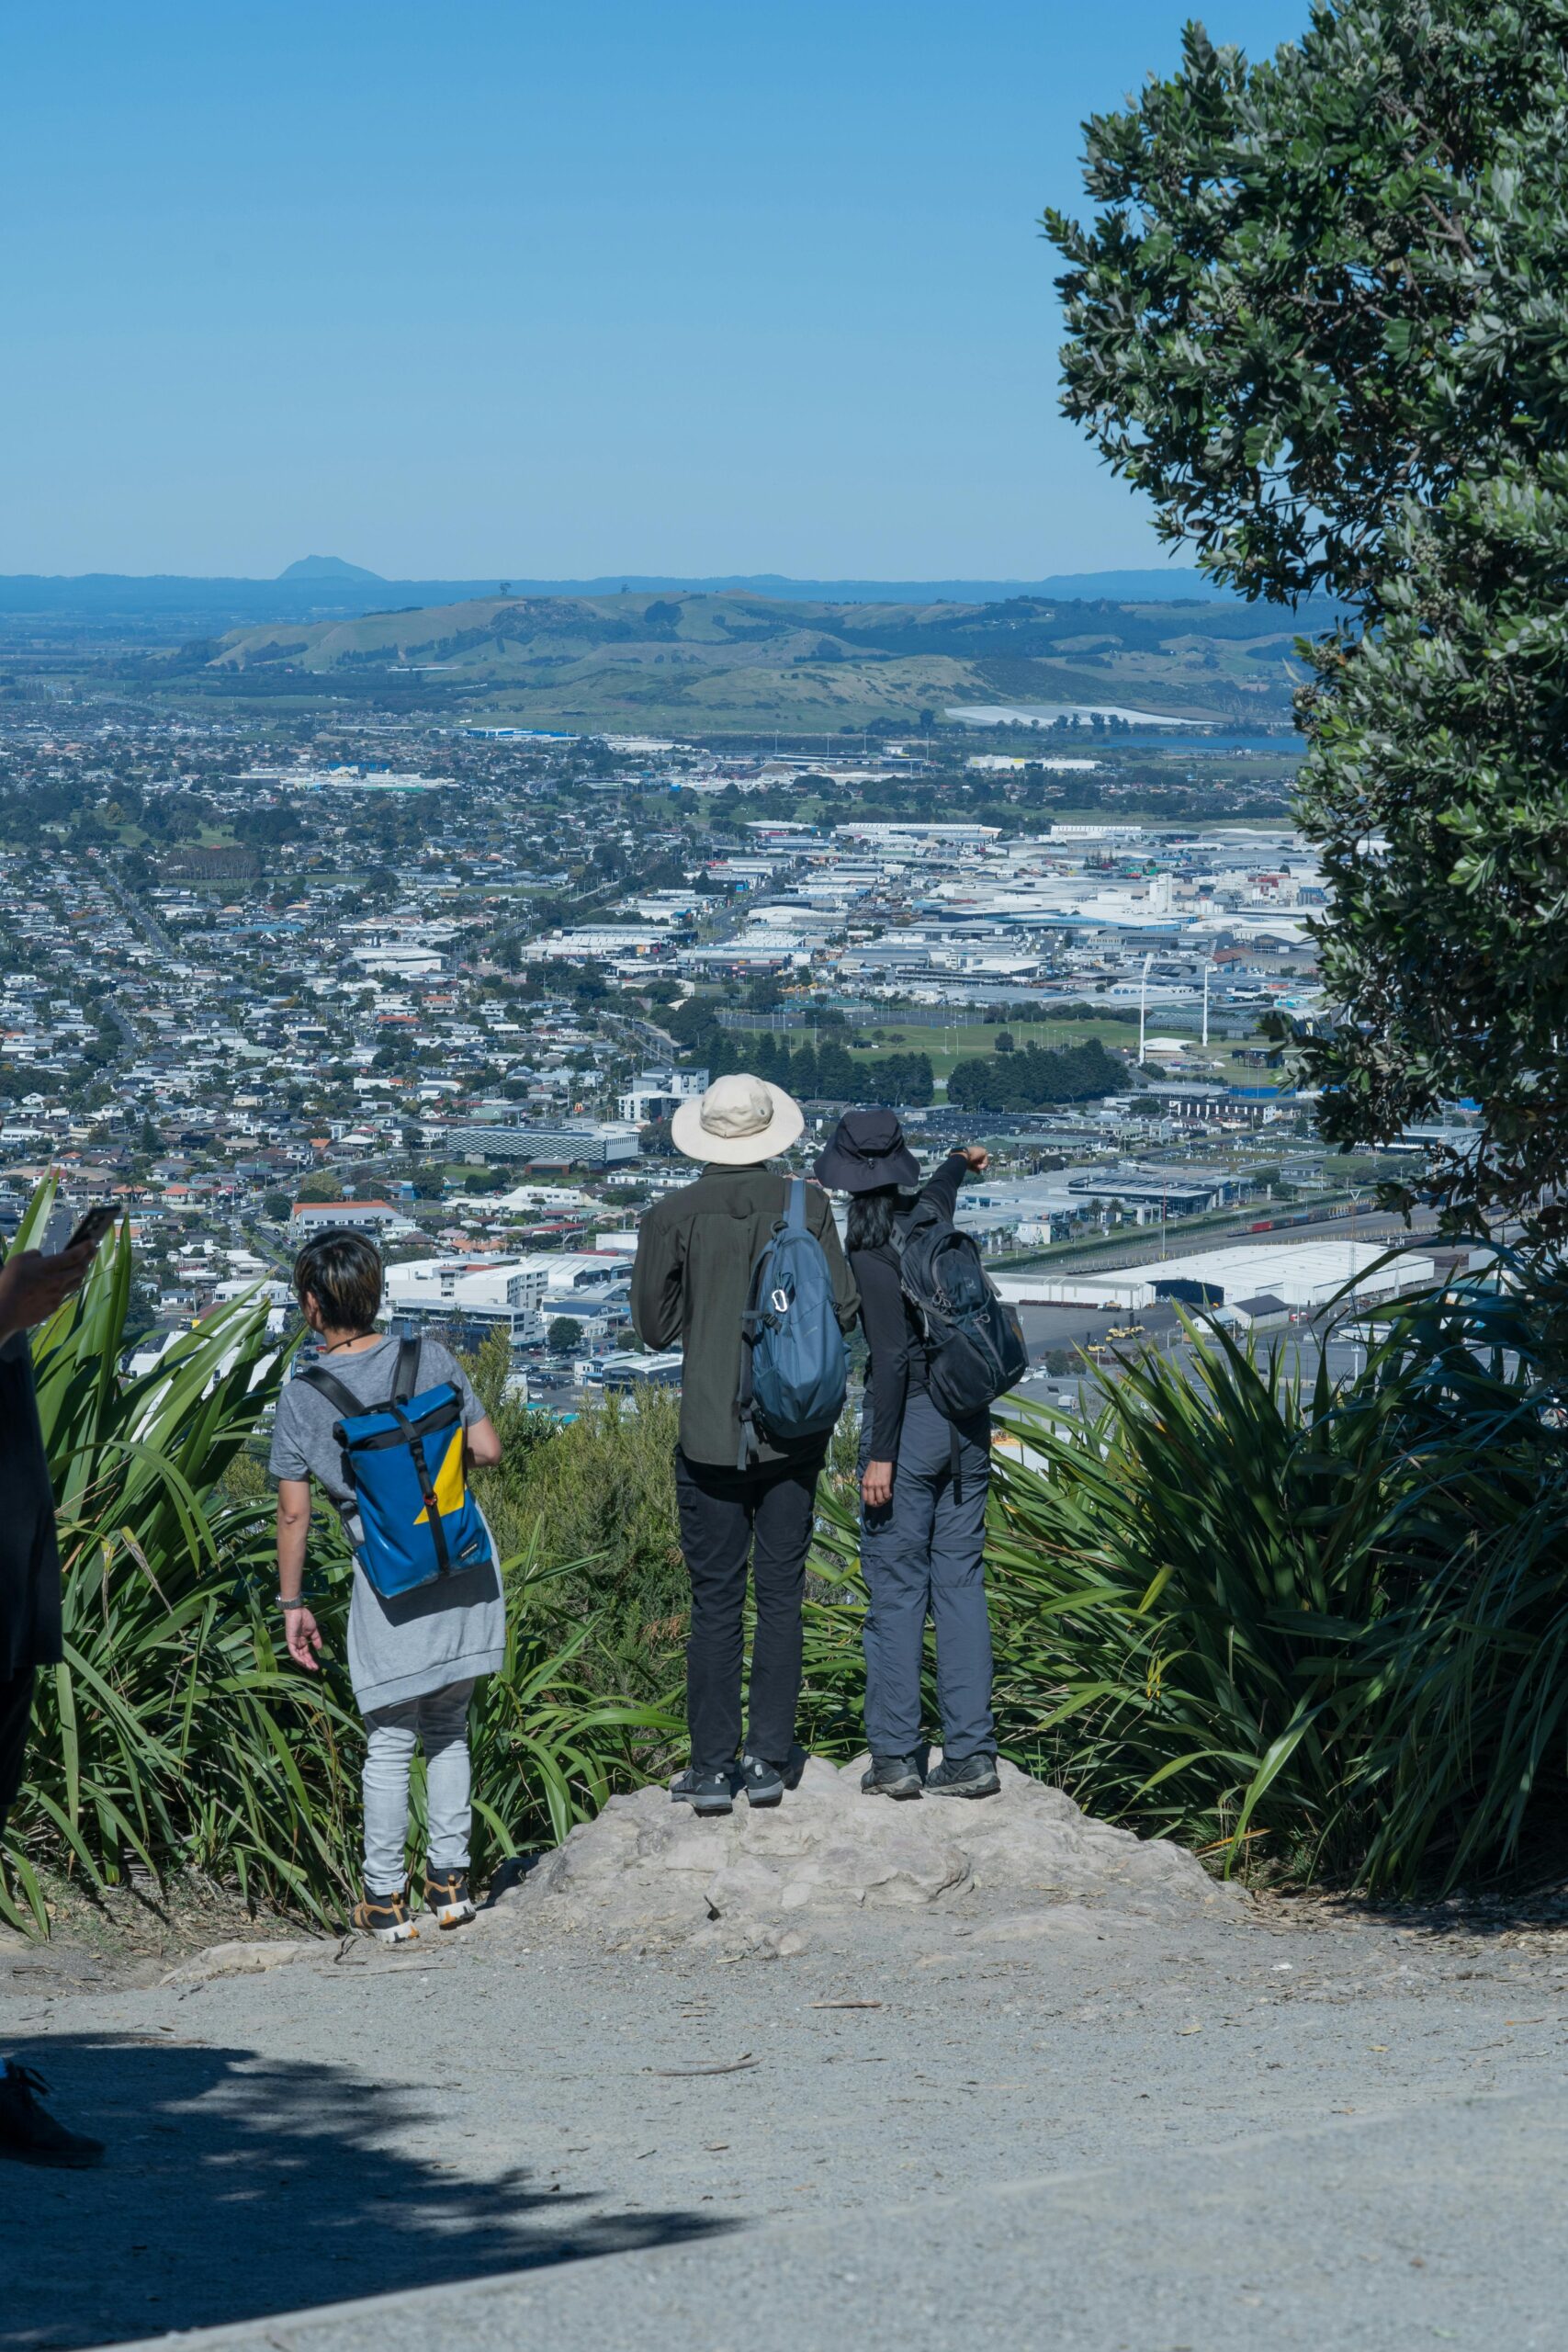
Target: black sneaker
(30,2134)
(974,1776)
(386,1917)
(891,1776)
(705,1792)
(762,1782)
(449,1898)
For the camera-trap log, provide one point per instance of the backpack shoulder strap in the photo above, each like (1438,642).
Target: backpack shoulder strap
(405,1380)
(794,1203)
(333,1390)
(750,1324)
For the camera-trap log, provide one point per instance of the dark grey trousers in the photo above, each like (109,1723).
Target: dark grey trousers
(924,1555)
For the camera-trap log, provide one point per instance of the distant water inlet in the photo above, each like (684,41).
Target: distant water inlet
(1047,714)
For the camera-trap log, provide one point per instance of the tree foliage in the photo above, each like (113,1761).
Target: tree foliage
(829,1073)
(1035,1078)
(1321,319)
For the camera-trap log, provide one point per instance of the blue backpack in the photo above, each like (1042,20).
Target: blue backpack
(794,1362)
(403,1461)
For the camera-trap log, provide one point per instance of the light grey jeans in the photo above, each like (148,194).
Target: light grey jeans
(439,1718)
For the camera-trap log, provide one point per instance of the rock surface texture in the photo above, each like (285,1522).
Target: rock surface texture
(647,1870)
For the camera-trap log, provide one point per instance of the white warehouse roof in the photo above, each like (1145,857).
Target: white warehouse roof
(1301,1273)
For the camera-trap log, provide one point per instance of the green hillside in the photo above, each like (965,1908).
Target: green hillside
(688,660)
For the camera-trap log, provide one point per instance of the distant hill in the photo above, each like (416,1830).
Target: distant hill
(175,608)
(688,660)
(329,567)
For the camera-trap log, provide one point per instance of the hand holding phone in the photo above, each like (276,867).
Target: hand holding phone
(94,1224)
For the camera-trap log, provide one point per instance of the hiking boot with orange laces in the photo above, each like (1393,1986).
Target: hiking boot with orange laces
(449,1897)
(386,1917)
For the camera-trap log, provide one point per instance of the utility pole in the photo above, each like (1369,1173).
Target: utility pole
(1207,969)
(1144,1005)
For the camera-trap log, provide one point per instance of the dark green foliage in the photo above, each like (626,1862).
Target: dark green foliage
(1321,319)
(1034,1077)
(1325,1629)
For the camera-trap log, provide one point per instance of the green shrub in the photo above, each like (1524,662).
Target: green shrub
(599,1490)
(1321,1628)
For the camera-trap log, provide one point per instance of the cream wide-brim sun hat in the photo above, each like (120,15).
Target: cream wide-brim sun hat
(740,1120)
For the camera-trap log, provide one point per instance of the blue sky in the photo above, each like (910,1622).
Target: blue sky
(542,289)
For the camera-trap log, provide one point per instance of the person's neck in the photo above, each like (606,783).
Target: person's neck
(344,1344)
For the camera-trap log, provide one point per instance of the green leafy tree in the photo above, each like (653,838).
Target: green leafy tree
(563,1335)
(1034,1077)
(1320,319)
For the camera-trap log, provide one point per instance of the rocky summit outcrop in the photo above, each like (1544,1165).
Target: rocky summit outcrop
(647,1871)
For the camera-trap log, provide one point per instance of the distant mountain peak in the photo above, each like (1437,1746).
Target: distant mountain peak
(327,567)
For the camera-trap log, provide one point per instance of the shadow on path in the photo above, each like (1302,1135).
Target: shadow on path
(237,2186)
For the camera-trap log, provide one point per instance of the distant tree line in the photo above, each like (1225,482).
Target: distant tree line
(1035,1077)
(828,1072)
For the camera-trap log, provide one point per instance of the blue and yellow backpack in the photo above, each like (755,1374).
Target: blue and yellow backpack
(403,1461)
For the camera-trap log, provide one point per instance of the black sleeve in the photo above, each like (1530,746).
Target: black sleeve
(656,1282)
(886,1330)
(942,1189)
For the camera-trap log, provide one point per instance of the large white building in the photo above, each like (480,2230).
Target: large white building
(654,1093)
(505,1291)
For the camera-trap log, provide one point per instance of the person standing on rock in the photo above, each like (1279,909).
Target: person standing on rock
(923,1483)
(697,1253)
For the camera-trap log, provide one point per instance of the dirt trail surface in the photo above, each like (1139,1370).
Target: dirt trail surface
(1123,2113)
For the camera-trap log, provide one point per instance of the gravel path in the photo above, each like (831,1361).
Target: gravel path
(940,2130)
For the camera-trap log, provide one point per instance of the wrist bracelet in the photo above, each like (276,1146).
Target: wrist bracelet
(301,1604)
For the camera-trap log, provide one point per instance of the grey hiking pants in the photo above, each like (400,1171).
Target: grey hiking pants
(924,1555)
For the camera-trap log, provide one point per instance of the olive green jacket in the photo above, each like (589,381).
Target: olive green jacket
(694,1255)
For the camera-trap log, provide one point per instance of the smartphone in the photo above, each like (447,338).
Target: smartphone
(95,1223)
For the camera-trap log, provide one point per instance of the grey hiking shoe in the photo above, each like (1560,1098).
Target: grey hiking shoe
(891,1776)
(974,1776)
(705,1792)
(764,1783)
(30,2134)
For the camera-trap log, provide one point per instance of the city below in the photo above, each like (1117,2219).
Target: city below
(446,979)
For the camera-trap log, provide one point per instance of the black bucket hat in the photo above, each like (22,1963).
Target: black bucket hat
(867,1150)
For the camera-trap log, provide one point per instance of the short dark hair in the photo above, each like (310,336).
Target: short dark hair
(342,1272)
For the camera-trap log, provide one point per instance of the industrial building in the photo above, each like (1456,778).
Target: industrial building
(1304,1275)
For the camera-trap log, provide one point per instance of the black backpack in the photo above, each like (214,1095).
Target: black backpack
(975,1350)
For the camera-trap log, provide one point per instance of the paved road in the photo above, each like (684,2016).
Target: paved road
(1098,2134)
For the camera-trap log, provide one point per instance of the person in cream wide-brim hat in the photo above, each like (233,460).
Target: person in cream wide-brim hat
(739,1122)
(747,1504)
